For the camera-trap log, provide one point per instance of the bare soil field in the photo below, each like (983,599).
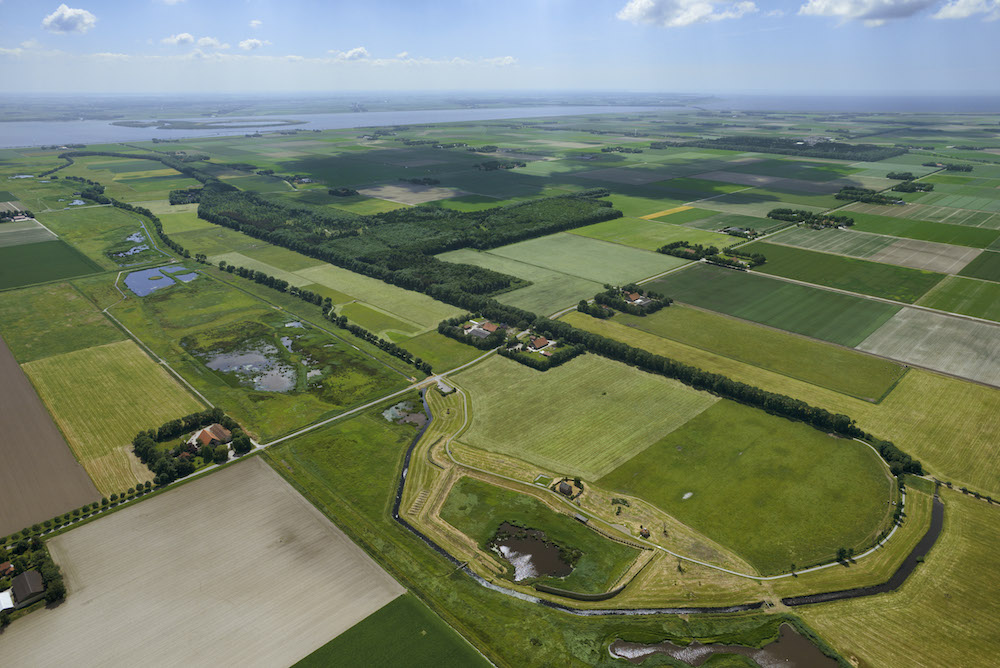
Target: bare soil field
(39,478)
(953,345)
(233,569)
(943,258)
(409,193)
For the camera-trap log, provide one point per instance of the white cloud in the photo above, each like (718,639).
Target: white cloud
(502,61)
(112,56)
(402,54)
(211,43)
(963,9)
(253,43)
(256,24)
(179,38)
(871,12)
(679,13)
(172,2)
(65,20)
(357,53)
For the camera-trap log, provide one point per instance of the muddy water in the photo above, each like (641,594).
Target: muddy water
(257,366)
(530,553)
(790,650)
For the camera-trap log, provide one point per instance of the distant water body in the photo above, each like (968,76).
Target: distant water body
(955,104)
(38,133)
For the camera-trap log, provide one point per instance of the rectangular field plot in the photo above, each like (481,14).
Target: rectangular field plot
(814,312)
(39,478)
(52,319)
(773,478)
(934,214)
(649,235)
(986,267)
(588,258)
(833,240)
(845,273)
(832,367)
(723,220)
(101,231)
(41,262)
(24,232)
(585,417)
(967,296)
(952,345)
(135,569)
(958,235)
(928,255)
(241,260)
(100,398)
(419,639)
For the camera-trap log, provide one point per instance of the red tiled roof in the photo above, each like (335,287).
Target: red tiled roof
(489,327)
(540,342)
(634,295)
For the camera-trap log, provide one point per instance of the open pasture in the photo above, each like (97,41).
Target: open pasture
(986,267)
(854,275)
(796,169)
(378,322)
(720,221)
(967,296)
(440,351)
(752,202)
(821,314)
(958,235)
(779,493)
(40,262)
(318,582)
(51,319)
(648,234)
(421,639)
(584,418)
(954,435)
(100,231)
(23,232)
(944,343)
(588,258)
(100,398)
(832,367)
(39,478)
(477,509)
(941,615)
(241,260)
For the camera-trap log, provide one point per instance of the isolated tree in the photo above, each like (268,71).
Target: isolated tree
(242,445)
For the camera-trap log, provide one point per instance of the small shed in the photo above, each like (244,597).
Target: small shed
(581,518)
(27,588)
(565,488)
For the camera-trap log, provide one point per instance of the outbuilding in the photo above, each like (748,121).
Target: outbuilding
(27,588)
(565,488)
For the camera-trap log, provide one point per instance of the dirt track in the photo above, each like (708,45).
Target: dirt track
(39,477)
(232,569)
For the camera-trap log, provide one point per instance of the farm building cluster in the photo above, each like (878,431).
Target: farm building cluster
(25,589)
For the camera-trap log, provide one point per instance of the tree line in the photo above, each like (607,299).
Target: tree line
(614,297)
(784,146)
(867,195)
(810,218)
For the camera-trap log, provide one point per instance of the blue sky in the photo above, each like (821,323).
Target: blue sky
(751,46)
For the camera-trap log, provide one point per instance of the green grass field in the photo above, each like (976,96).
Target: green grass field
(722,220)
(834,368)
(821,314)
(419,638)
(376,321)
(776,492)
(942,615)
(650,235)
(40,262)
(869,278)
(441,352)
(583,418)
(833,240)
(967,296)
(986,267)
(50,320)
(477,509)
(101,397)
(958,235)
(98,230)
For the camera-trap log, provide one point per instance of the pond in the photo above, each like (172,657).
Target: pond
(530,552)
(405,411)
(257,365)
(790,650)
(145,281)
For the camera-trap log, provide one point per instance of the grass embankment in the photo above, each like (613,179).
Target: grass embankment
(583,418)
(774,491)
(814,312)
(835,368)
(943,614)
(350,471)
(477,509)
(101,397)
